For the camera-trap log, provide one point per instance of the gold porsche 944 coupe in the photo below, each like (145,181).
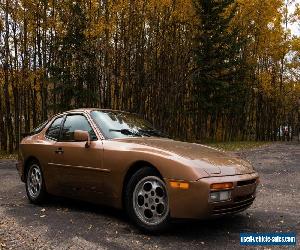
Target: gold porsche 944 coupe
(118,159)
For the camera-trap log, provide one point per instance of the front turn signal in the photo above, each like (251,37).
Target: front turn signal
(221,186)
(179,184)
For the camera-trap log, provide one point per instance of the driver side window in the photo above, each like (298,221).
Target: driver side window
(76,122)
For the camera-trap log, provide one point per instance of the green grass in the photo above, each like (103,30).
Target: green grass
(5,155)
(237,145)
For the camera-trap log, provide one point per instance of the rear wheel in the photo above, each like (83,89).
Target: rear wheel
(146,201)
(35,186)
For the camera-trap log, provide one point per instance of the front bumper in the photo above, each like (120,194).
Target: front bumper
(194,203)
(20,168)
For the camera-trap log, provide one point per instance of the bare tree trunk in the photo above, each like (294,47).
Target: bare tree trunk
(8,119)
(3,139)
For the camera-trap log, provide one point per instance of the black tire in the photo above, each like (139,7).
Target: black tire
(39,196)
(136,179)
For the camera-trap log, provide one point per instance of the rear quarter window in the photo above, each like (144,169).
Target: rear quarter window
(39,128)
(54,129)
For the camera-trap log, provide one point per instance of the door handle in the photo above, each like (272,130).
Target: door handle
(59,151)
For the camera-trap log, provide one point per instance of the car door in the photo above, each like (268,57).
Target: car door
(78,168)
(47,154)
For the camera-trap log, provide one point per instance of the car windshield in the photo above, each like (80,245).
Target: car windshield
(114,124)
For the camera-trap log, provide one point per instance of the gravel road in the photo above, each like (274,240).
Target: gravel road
(67,224)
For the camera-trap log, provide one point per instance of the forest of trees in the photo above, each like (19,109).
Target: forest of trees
(199,70)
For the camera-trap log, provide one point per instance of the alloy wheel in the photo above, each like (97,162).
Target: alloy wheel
(34,181)
(150,200)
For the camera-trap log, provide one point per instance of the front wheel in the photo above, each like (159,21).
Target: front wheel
(147,201)
(35,186)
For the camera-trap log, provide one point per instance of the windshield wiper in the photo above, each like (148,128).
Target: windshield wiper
(152,132)
(125,131)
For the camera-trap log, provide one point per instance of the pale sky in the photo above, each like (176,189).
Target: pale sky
(295,27)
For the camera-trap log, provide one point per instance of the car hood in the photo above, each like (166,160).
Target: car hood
(215,162)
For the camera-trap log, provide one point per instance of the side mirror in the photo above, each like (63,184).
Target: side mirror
(80,135)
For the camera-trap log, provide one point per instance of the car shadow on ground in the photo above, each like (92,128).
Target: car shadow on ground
(79,215)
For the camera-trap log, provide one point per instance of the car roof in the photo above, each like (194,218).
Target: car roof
(79,110)
(95,109)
